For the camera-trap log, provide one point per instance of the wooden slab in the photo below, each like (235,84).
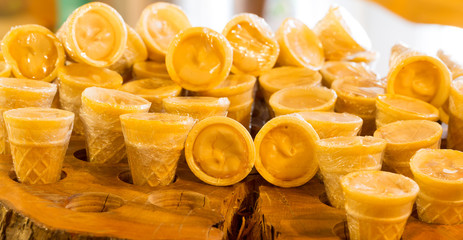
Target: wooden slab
(97,201)
(303,213)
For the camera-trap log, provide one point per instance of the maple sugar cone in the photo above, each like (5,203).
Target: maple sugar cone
(439,173)
(418,75)
(74,79)
(378,204)
(39,138)
(154,143)
(100,113)
(339,156)
(393,107)
(19,93)
(406,137)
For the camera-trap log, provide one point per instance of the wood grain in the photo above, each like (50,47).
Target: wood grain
(93,202)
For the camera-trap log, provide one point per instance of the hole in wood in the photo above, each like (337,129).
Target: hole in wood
(81,154)
(12,175)
(126,176)
(179,199)
(94,202)
(341,230)
(324,199)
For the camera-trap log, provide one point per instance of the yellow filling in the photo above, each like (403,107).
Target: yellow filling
(198,60)
(409,105)
(329,117)
(301,100)
(35,54)
(386,185)
(85,74)
(220,151)
(161,29)
(419,79)
(443,166)
(361,88)
(404,132)
(95,35)
(285,152)
(300,41)
(150,86)
(251,49)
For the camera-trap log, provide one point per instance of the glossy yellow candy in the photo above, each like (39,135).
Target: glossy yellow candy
(153,90)
(39,138)
(74,79)
(21,93)
(341,35)
(134,52)
(94,34)
(362,57)
(238,88)
(158,24)
(331,124)
(143,70)
(154,142)
(196,107)
(439,173)
(339,156)
(393,107)
(255,48)
(285,147)
(100,113)
(333,70)
(33,52)
(220,151)
(284,77)
(378,204)
(299,46)
(418,75)
(302,99)
(404,138)
(199,59)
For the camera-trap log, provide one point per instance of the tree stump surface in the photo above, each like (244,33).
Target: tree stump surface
(98,201)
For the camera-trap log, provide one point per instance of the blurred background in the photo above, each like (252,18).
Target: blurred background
(426,25)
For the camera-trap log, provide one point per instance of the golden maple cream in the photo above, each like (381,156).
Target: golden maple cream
(285,146)
(219,151)
(95,35)
(299,46)
(158,25)
(199,59)
(442,165)
(385,186)
(255,48)
(285,152)
(406,132)
(425,79)
(33,52)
